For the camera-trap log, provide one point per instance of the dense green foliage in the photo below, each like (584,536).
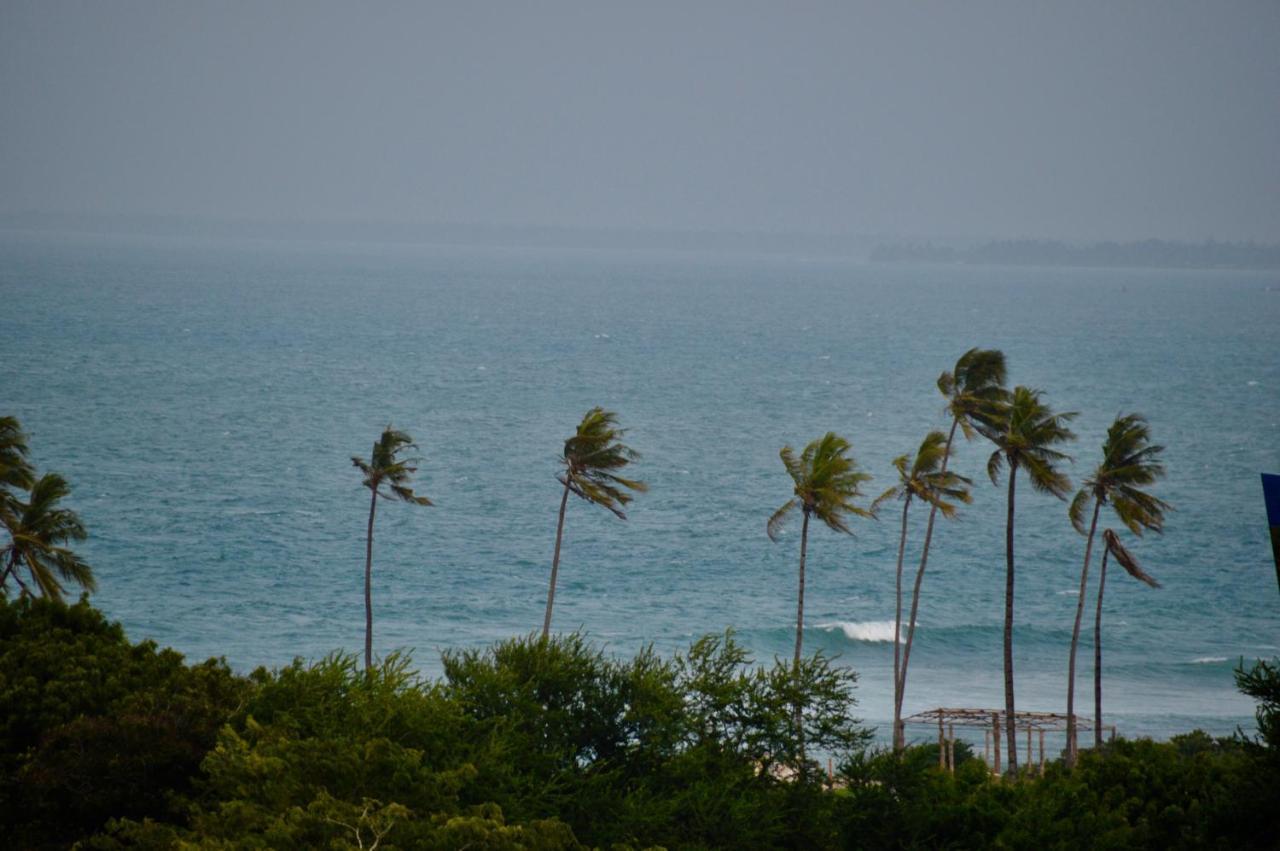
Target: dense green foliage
(93,726)
(549,744)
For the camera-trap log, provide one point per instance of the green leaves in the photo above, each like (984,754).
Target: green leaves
(1129,463)
(1025,431)
(827,481)
(975,389)
(923,479)
(593,457)
(37,527)
(385,467)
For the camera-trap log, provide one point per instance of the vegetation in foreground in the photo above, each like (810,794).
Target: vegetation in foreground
(549,744)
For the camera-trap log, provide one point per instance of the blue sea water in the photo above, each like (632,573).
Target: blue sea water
(204,398)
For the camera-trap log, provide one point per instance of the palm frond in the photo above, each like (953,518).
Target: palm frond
(1130,462)
(386,467)
(592,457)
(1127,559)
(778,519)
(827,482)
(975,390)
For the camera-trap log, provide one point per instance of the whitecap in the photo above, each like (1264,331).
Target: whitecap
(872,631)
(1208,660)
(1253,384)
(1069,592)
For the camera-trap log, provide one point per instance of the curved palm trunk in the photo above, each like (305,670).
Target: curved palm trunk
(555,563)
(1072,732)
(1097,654)
(898,735)
(368,585)
(1009,714)
(897,629)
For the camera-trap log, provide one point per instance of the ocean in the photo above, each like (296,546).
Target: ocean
(204,398)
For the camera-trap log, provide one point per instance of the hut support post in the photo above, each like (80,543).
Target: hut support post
(951,748)
(942,744)
(1028,747)
(986,746)
(1042,751)
(995,740)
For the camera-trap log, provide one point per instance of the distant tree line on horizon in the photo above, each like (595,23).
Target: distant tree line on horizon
(1152,253)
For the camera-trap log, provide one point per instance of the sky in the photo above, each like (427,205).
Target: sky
(1076,121)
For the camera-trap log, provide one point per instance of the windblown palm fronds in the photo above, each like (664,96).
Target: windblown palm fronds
(927,479)
(593,457)
(38,528)
(1129,463)
(1025,431)
(386,475)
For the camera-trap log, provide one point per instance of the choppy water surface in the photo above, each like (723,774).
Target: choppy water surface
(204,398)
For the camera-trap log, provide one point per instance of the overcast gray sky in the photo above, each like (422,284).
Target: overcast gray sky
(1074,120)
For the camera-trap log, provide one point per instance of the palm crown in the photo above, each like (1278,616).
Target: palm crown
(38,528)
(15,470)
(1025,430)
(924,479)
(975,388)
(592,458)
(1130,462)
(827,481)
(384,469)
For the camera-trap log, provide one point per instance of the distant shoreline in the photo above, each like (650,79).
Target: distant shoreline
(1147,254)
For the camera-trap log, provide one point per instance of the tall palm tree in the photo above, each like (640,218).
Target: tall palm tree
(385,475)
(925,479)
(593,457)
(38,528)
(1129,462)
(15,471)
(827,482)
(974,390)
(1025,432)
(1112,546)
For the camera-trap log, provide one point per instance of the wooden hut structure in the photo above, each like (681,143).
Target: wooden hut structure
(1035,724)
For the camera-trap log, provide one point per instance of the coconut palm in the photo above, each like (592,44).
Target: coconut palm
(926,479)
(38,528)
(15,471)
(974,390)
(827,482)
(1111,546)
(1129,462)
(1025,432)
(592,458)
(385,475)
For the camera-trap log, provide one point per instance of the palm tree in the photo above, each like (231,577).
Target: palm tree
(974,390)
(925,479)
(37,530)
(15,470)
(1129,462)
(387,476)
(592,459)
(1111,546)
(827,482)
(1024,431)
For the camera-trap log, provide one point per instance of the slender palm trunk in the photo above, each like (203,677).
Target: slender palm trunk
(368,585)
(1097,653)
(804,545)
(555,562)
(1072,732)
(1010,725)
(897,627)
(799,709)
(898,734)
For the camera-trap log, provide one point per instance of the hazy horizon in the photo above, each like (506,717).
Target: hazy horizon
(1086,122)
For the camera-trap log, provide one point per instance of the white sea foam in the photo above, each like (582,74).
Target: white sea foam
(873,631)
(1208,660)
